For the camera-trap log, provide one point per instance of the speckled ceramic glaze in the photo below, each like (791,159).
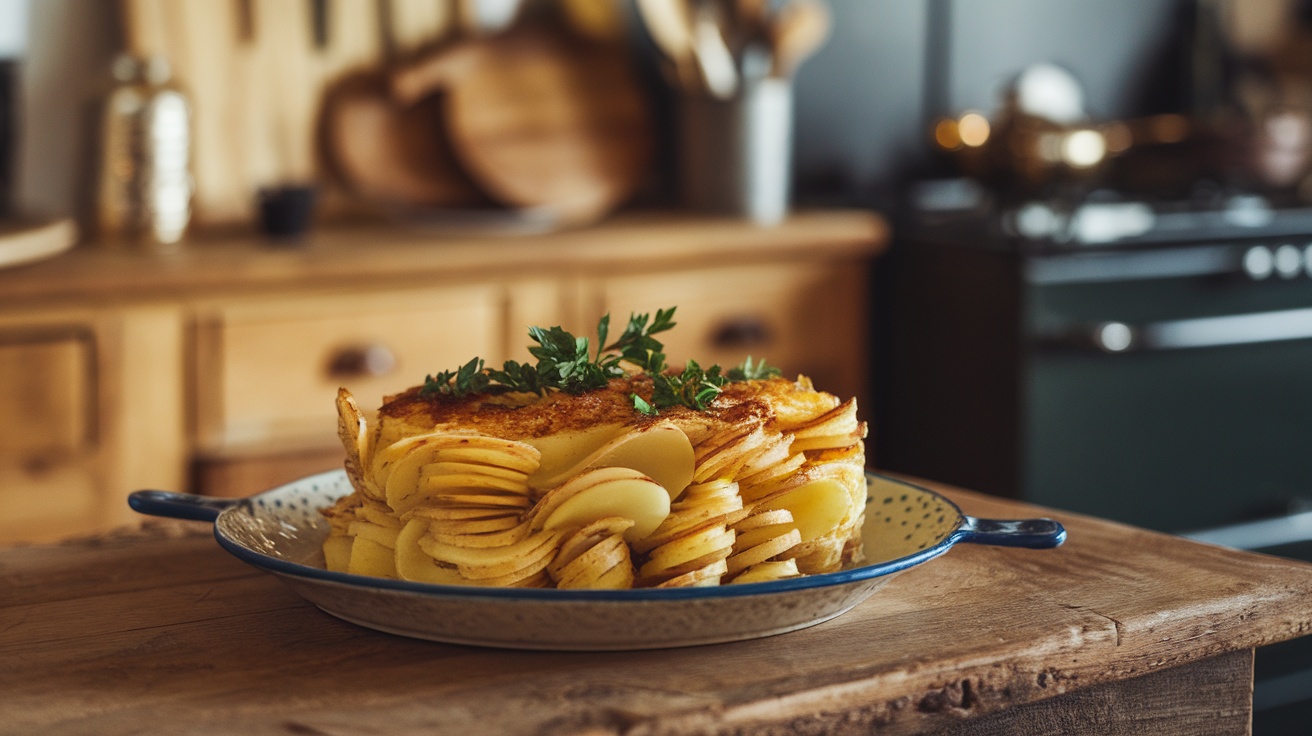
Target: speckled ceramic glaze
(282,531)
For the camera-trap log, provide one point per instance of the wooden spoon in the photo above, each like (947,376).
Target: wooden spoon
(714,59)
(799,28)
(670,26)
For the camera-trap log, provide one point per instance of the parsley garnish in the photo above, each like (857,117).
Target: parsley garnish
(750,371)
(694,388)
(569,363)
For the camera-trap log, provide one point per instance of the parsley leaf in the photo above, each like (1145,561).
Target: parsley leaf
(694,388)
(470,378)
(749,371)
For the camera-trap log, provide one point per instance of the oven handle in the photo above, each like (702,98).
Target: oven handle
(1197,332)
(1263,533)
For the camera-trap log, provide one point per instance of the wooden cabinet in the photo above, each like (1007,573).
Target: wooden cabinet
(268,371)
(216,370)
(806,318)
(48,424)
(67,444)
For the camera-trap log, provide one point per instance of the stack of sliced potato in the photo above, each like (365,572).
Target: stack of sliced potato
(454,471)
(691,545)
(716,502)
(836,430)
(765,497)
(595,556)
(521,563)
(367,540)
(725,453)
(761,552)
(693,559)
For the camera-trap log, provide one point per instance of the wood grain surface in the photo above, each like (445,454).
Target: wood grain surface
(112,634)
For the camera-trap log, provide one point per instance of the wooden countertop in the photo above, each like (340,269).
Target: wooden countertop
(372,253)
(1118,631)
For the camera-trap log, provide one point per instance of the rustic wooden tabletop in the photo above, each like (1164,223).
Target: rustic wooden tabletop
(1118,631)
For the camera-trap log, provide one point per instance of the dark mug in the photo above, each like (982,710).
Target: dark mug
(287,211)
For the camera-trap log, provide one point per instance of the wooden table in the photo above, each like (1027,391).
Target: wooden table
(1119,631)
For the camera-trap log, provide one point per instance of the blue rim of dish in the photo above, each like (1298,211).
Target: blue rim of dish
(817,580)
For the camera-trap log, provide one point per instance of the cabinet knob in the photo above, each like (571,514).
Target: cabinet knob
(362,361)
(742,332)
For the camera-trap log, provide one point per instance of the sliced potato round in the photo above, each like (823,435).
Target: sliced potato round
(597,494)
(564,451)
(661,452)
(384,535)
(337,552)
(711,540)
(764,550)
(465,538)
(764,572)
(520,457)
(476,562)
(703,577)
(818,507)
(371,558)
(413,563)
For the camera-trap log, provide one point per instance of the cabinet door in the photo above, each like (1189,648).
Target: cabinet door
(542,302)
(806,318)
(47,430)
(90,410)
(268,371)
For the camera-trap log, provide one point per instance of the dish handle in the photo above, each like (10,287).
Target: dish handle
(179,505)
(1031,533)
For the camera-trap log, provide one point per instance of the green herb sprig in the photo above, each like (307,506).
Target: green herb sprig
(569,363)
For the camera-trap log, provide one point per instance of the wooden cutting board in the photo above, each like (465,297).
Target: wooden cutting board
(388,153)
(540,120)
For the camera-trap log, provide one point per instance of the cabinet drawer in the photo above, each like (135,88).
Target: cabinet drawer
(804,318)
(267,374)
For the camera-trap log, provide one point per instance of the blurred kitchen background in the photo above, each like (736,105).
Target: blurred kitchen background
(1097,292)
(862,102)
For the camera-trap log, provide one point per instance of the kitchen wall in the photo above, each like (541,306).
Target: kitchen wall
(862,103)
(64,72)
(865,101)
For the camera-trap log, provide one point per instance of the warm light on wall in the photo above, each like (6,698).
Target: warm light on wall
(973,129)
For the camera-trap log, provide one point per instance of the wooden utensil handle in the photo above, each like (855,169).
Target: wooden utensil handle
(413,82)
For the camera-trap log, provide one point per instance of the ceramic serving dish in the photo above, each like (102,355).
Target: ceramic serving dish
(281,531)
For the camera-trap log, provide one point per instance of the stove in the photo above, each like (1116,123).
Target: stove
(1103,219)
(1144,361)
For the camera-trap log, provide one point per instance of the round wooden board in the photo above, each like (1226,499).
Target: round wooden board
(539,120)
(385,151)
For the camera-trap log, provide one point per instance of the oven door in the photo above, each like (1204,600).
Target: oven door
(1182,404)
(1172,403)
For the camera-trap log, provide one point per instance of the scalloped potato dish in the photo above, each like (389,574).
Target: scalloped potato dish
(760,479)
